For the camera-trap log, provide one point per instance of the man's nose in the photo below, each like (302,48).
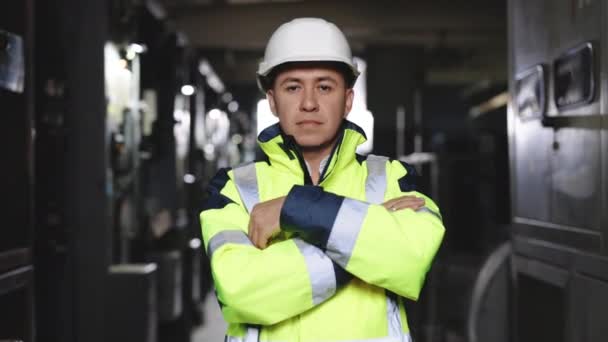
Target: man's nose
(309,101)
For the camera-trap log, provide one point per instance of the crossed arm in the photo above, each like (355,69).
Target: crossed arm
(261,284)
(264,221)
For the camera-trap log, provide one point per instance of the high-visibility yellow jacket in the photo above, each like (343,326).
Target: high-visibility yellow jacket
(342,262)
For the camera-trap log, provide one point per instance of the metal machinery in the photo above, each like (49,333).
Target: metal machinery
(108,156)
(558,142)
(16,238)
(71,193)
(167,131)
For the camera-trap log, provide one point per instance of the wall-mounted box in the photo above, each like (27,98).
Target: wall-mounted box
(531,93)
(574,77)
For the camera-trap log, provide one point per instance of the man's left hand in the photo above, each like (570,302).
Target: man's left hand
(404,202)
(264,221)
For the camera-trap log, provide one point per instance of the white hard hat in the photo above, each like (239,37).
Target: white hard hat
(306,40)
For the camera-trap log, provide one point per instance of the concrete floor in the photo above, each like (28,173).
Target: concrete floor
(214,328)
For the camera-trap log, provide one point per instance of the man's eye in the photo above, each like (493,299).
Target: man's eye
(324,88)
(292,88)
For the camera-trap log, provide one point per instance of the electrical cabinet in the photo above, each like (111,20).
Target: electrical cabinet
(556,158)
(16,235)
(559,169)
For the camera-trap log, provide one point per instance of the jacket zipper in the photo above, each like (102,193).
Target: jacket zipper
(290,143)
(292,146)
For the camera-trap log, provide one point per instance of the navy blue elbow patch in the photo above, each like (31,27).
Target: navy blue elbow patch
(407,183)
(217,202)
(215,199)
(342,277)
(310,212)
(218,181)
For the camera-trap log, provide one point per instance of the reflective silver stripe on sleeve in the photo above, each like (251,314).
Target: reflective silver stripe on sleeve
(393,318)
(320,270)
(251,335)
(224,237)
(427,210)
(247,183)
(375,184)
(345,230)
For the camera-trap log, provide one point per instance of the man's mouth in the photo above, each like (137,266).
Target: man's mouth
(309,122)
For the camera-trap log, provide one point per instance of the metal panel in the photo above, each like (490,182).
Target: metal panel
(595,324)
(16,305)
(528,26)
(562,257)
(73,239)
(603,85)
(584,279)
(16,103)
(85,165)
(572,23)
(564,235)
(556,164)
(529,140)
(588,303)
(541,292)
(544,272)
(575,179)
(532,168)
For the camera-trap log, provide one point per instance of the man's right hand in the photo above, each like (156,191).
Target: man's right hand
(404,202)
(264,221)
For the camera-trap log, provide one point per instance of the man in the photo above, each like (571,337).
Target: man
(316,243)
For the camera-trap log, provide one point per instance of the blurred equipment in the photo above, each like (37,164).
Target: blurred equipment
(488,318)
(134,284)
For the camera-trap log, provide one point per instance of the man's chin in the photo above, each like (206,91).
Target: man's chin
(311,146)
(307,141)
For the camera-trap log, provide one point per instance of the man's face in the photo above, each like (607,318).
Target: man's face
(310,101)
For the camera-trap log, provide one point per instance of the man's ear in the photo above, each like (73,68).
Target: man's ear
(273,105)
(348,101)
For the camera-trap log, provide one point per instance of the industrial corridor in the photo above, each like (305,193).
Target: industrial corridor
(304,171)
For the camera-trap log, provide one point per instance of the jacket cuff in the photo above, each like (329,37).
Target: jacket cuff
(310,212)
